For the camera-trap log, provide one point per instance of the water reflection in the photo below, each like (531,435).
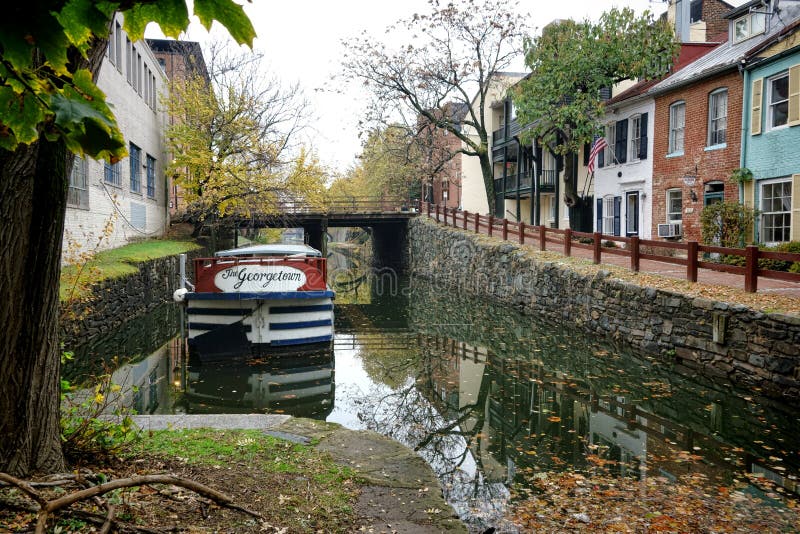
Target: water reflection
(299,384)
(491,398)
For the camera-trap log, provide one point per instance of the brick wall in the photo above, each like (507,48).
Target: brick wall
(450,175)
(716,26)
(706,165)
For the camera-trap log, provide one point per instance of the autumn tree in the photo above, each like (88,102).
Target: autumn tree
(232,140)
(50,109)
(571,64)
(453,56)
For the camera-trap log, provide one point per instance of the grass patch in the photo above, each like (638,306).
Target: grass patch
(76,280)
(296,484)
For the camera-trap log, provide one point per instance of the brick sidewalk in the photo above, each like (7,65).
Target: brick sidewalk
(669,270)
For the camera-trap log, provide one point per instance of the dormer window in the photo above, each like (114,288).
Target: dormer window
(748,25)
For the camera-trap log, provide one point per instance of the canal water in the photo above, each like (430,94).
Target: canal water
(488,397)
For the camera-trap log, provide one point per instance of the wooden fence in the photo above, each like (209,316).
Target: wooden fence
(687,254)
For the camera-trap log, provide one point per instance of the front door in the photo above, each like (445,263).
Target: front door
(632,213)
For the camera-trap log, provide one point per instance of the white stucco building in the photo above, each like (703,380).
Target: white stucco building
(110,205)
(623,176)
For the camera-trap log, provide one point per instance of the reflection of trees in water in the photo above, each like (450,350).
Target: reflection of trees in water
(349,264)
(449,436)
(544,397)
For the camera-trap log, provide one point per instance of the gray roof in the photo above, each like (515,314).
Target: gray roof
(729,54)
(277,249)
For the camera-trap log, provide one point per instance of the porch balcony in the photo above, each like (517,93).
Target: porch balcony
(547,182)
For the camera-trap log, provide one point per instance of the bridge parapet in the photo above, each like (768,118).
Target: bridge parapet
(348,204)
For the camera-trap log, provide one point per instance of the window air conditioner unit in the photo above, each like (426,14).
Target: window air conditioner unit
(670,230)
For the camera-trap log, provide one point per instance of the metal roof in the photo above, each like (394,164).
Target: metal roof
(728,55)
(277,249)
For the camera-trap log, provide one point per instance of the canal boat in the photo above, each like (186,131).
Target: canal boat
(256,300)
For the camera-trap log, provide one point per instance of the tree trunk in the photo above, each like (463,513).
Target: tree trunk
(571,197)
(33,202)
(488,179)
(33,199)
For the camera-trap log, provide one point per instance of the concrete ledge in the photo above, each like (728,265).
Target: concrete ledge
(218,421)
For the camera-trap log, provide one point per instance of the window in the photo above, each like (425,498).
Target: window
(776,208)
(151,176)
(608,215)
(111,173)
(129,54)
(139,74)
(78,194)
(636,137)
(674,206)
(748,26)
(778,100)
(677,122)
(136,168)
(118,45)
(110,52)
(717,117)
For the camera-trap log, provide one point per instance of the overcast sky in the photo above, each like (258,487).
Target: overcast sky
(301,40)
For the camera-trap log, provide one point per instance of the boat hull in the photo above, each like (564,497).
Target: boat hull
(229,325)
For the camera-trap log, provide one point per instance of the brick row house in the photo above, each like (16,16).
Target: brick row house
(111,204)
(674,144)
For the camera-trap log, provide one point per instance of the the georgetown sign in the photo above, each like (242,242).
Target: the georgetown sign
(259,278)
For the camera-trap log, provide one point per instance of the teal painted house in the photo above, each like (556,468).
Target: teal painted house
(771,135)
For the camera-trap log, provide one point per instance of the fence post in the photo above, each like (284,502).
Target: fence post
(505,229)
(491,223)
(568,242)
(751,269)
(466,216)
(521,227)
(635,253)
(597,236)
(477,222)
(437,212)
(542,237)
(691,261)
(428,208)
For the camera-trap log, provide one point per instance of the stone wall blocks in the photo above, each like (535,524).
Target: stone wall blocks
(654,320)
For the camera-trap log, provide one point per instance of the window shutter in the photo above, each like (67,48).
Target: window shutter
(749,191)
(794,229)
(643,136)
(587,147)
(599,227)
(794,95)
(617,211)
(755,107)
(621,145)
(601,159)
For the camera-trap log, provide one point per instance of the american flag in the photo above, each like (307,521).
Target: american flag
(598,145)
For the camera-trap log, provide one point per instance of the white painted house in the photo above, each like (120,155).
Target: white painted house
(623,176)
(111,205)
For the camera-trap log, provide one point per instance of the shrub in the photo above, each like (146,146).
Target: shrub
(94,421)
(768,263)
(726,224)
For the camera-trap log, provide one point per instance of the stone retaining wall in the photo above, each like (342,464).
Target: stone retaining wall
(716,339)
(116,301)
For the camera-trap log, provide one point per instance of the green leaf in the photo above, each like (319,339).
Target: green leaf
(230,15)
(171,15)
(21,113)
(76,19)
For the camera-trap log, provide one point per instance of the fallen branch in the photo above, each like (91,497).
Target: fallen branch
(49,507)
